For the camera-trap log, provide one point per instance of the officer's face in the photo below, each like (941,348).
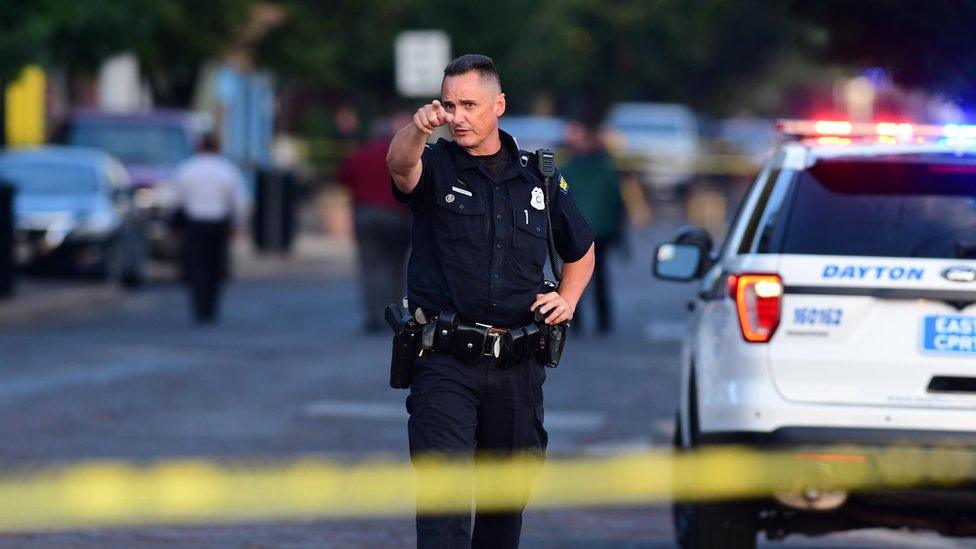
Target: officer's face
(476,104)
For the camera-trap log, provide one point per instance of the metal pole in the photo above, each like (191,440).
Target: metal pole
(7,260)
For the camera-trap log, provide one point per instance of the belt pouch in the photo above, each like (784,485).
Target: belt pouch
(469,343)
(444,336)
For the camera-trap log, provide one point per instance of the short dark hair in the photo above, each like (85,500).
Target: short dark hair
(482,64)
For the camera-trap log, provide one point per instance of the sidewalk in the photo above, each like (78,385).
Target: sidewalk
(313,257)
(48,299)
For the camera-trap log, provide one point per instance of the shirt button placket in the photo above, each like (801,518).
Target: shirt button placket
(499,255)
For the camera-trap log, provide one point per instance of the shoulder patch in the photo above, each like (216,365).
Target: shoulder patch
(563,185)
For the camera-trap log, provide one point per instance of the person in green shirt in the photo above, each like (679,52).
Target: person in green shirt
(596,189)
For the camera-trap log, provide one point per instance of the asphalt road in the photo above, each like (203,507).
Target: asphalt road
(288,373)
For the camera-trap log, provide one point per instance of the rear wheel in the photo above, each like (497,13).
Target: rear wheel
(700,525)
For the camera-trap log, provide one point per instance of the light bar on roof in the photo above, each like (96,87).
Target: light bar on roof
(832,127)
(902,131)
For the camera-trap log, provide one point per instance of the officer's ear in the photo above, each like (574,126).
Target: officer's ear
(500,104)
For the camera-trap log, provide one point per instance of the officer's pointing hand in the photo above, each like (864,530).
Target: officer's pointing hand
(554,307)
(431,116)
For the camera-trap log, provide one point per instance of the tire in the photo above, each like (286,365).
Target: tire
(723,525)
(700,525)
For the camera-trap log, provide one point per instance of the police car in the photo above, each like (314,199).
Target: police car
(841,309)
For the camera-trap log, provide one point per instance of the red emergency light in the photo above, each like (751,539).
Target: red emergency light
(840,131)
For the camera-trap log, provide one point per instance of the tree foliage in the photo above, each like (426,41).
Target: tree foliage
(572,51)
(928,44)
(171,37)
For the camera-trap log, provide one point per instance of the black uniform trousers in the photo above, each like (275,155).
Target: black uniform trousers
(207,249)
(467,411)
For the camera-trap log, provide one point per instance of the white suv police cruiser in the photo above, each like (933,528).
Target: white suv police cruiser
(840,310)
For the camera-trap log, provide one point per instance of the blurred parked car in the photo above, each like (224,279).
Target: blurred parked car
(150,144)
(534,132)
(753,138)
(74,212)
(657,141)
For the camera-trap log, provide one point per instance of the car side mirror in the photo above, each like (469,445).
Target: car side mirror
(678,262)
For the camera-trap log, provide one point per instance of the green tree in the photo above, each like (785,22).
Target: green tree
(574,51)
(171,37)
(180,37)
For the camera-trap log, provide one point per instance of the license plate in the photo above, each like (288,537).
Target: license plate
(949,334)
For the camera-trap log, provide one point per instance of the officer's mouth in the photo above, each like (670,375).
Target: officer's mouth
(461,133)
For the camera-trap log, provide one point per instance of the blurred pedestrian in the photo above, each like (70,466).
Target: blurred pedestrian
(214,202)
(596,188)
(346,123)
(381,223)
(482,224)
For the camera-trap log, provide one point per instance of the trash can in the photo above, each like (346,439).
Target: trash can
(7,262)
(275,196)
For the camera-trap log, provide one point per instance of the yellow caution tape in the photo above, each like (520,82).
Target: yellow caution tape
(101,494)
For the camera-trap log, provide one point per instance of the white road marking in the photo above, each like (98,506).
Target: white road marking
(618,446)
(357,410)
(555,419)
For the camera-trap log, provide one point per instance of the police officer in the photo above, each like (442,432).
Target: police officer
(211,195)
(479,249)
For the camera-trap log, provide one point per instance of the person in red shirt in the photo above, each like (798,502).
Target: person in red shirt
(381,223)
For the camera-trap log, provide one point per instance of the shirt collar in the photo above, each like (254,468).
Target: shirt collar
(463,160)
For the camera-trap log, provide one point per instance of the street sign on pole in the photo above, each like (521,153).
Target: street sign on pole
(420,60)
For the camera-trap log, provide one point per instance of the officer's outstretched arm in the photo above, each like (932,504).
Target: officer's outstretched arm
(403,158)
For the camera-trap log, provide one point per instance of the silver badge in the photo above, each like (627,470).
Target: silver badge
(449,198)
(538,199)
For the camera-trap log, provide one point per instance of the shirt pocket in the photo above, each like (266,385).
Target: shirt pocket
(461,219)
(530,245)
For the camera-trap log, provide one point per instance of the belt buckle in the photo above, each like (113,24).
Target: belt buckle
(494,346)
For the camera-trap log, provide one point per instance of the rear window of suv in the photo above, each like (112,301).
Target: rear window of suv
(881,207)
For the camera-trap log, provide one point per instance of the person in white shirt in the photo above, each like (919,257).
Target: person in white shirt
(212,197)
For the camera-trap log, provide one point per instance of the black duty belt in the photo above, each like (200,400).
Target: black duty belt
(470,343)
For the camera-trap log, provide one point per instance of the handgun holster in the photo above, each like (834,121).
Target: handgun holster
(406,340)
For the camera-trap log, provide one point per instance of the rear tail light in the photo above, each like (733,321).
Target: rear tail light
(757,300)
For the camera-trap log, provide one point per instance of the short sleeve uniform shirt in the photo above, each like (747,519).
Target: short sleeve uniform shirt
(479,244)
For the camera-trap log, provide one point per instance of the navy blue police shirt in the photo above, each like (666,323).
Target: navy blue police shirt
(479,242)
